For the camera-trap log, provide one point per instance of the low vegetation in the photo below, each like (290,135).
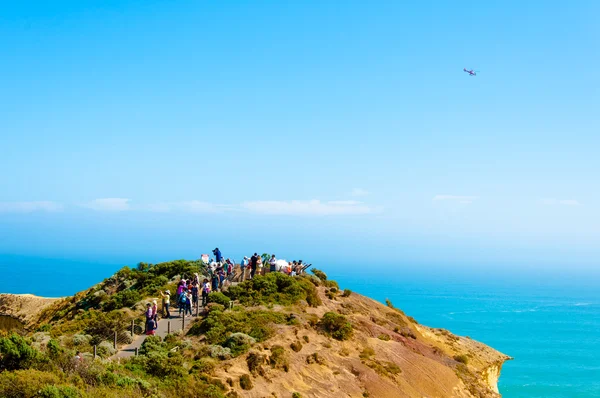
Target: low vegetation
(336,326)
(275,288)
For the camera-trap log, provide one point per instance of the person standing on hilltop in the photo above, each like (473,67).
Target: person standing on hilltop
(167,300)
(272,264)
(253,265)
(218,255)
(215,282)
(259,265)
(243,266)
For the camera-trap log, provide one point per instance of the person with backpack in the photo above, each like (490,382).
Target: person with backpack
(205,292)
(188,302)
(182,299)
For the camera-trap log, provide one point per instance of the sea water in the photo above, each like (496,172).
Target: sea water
(551,329)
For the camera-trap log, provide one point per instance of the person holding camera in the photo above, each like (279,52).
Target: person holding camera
(218,255)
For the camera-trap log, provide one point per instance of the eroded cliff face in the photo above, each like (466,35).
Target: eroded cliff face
(24,308)
(389,356)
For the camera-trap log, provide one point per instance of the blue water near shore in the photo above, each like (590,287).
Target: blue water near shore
(551,328)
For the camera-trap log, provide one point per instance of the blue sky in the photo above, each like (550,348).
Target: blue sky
(147,130)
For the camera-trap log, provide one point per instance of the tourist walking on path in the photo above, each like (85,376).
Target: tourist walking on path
(167,300)
(205,291)
(272,264)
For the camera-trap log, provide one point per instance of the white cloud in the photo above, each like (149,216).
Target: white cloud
(196,206)
(359,192)
(308,207)
(563,202)
(456,198)
(108,204)
(29,207)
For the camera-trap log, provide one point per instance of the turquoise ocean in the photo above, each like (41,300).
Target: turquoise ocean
(550,327)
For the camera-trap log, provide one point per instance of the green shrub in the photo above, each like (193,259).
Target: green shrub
(274,288)
(461,358)
(105,349)
(319,274)
(246,382)
(336,326)
(296,346)
(25,383)
(219,298)
(255,361)
(125,298)
(332,284)
(17,353)
(203,365)
(217,351)
(59,392)
(306,338)
(315,358)
(384,337)
(239,343)
(367,352)
(218,325)
(296,395)
(278,358)
(347,292)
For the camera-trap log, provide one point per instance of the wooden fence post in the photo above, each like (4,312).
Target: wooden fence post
(95,352)
(115,342)
(169,327)
(136,351)
(163,307)
(132,328)
(183,321)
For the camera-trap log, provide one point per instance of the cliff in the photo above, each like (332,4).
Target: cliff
(284,335)
(24,308)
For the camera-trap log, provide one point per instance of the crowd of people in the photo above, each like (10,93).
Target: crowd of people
(220,272)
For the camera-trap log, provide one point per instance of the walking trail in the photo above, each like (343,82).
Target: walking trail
(162,331)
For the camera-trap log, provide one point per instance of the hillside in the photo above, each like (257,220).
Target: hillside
(283,337)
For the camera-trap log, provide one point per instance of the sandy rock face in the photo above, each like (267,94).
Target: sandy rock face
(23,307)
(389,355)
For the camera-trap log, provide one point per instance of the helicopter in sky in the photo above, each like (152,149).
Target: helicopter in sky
(471,72)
